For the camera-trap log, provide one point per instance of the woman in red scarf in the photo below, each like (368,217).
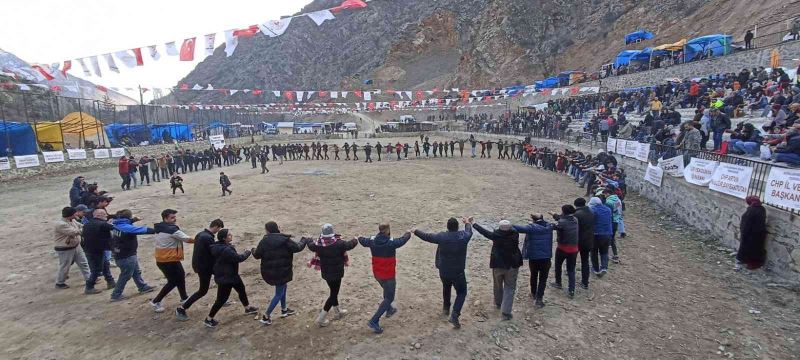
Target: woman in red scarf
(753,235)
(330,258)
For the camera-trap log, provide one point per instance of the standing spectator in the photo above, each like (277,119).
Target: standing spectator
(748,40)
(67,244)
(753,235)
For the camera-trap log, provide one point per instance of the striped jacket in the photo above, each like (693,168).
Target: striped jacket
(169,241)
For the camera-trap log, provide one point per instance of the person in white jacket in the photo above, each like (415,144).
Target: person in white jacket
(67,234)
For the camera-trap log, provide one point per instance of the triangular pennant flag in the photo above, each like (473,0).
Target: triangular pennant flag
(289,95)
(234,91)
(67,66)
(308,94)
(111,64)
(210,87)
(210,44)
(43,72)
(334,94)
(299,95)
(95,66)
(367,96)
(231,41)
(246,32)
(101,88)
(197,87)
(358,93)
(319,17)
(349,4)
(276,93)
(323,94)
(187,50)
(172,50)
(274,28)
(129,60)
(24,87)
(154,52)
(84,68)
(344,94)
(54,69)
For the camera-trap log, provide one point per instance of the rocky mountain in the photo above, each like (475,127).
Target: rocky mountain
(417,44)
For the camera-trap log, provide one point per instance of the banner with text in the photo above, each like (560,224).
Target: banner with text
(731,179)
(631,148)
(621,144)
(117,152)
(100,153)
(654,174)
(783,188)
(76,154)
(4,163)
(218,141)
(24,161)
(672,166)
(699,171)
(53,156)
(643,152)
(611,145)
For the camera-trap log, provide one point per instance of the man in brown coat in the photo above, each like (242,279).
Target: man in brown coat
(67,234)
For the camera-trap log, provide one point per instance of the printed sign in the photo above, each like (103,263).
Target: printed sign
(117,152)
(24,161)
(611,145)
(53,156)
(630,149)
(783,188)
(643,152)
(621,144)
(218,141)
(654,174)
(699,171)
(76,154)
(100,153)
(731,179)
(672,166)
(4,163)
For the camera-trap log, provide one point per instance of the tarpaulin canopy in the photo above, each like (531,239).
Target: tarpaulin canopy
(676,46)
(266,125)
(624,57)
(136,133)
(50,133)
(513,90)
(567,78)
(170,131)
(713,45)
(646,54)
(19,137)
(638,35)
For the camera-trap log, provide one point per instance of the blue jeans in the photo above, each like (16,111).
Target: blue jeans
(790,158)
(600,249)
(98,265)
(717,136)
(389,287)
(280,296)
(128,269)
(459,282)
(747,147)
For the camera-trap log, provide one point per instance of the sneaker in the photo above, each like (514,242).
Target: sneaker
(555,285)
(157,306)
(375,327)
(497,306)
(265,320)
(456,324)
(62,286)
(585,286)
(250,310)
(571,294)
(92,291)
(287,312)
(446,312)
(615,259)
(228,303)
(211,323)
(622,235)
(147,289)
(507,317)
(180,314)
(601,273)
(391,312)
(539,303)
(111,285)
(113,299)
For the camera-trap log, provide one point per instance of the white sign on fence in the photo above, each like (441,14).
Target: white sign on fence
(53,156)
(218,141)
(630,149)
(699,171)
(611,145)
(100,153)
(672,166)
(643,152)
(24,161)
(654,174)
(731,179)
(783,188)
(621,144)
(76,154)
(4,163)
(117,152)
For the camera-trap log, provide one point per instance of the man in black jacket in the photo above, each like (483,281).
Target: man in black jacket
(585,238)
(202,264)
(451,258)
(96,241)
(567,249)
(505,262)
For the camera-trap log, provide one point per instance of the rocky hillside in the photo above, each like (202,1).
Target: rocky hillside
(459,43)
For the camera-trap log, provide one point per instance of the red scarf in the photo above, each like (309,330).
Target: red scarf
(324,241)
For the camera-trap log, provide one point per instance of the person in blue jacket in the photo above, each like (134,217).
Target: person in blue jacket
(538,250)
(602,235)
(451,259)
(76,191)
(124,245)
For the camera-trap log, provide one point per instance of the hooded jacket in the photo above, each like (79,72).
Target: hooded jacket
(585,228)
(202,260)
(96,236)
(505,248)
(384,249)
(276,252)
(451,252)
(615,204)
(602,217)
(332,257)
(169,241)
(567,230)
(538,240)
(226,263)
(124,241)
(67,234)
(75,192)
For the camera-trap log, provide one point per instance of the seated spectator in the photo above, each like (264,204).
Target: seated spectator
(789,150)
(748,140)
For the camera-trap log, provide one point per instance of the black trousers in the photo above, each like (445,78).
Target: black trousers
(571,260)
(539,271)
(205,282)
(176,278)
(333,298)
(459,282)
(585,266)
(144,173)
(224,292)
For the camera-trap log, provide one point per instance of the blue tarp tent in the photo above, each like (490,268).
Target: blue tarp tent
(22,137)
(714,45)
(514,90)
(170,131)
(624,57)
(135,132)
(265,125)
(638,35)
(538,85)
(550,83)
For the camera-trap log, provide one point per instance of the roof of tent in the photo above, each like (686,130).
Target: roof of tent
(638,35)
(624,57)
(550,82)
(176,131)
(136,132)
(286,124)
(72,130)
(23,140)
(718,44)
(676,46)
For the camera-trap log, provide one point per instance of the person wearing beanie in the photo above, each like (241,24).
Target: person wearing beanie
(567,248)
(451,259)
(225,182)
(330,258)
(505,261)
(226,275)
(585,237)
(124,247)
(67,233)
(384,263)
(276,252)
(169,241)
(202,264)
(537,249)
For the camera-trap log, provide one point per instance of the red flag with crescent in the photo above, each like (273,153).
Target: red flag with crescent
(187,50)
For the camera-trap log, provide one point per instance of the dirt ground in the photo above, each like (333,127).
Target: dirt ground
(674,296)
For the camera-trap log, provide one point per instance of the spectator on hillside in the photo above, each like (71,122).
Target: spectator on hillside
(748,40)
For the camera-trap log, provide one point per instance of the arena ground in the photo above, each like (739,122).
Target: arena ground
(674,296)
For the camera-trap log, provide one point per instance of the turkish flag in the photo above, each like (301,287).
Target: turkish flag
(187,50)
(349,4)
(55,88)
(323,94)
(257,92)
(289,95)
(419,95)
(67,66)
(358,93)
(184,87)
(43,72)
(102,88)
(248,32)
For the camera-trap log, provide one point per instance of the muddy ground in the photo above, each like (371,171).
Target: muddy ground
(674,296)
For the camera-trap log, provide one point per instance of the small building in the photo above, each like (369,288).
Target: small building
(286,128)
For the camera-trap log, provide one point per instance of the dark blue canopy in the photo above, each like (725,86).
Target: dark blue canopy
(624,57)
(715,45)
(170,131)
(136,132)
(638,35)
(23,139)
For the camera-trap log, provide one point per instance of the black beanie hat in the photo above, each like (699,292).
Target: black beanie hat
(222,234)
(68,211)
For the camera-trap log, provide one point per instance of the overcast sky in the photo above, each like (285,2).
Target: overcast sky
(48,31)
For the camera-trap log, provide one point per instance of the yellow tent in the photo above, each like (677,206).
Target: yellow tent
(677,46)
(50,133)
(73,131)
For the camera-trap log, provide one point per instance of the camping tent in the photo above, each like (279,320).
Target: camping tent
(19,137)
(638,35)
(50,133)
(624,57)
(714,45)
(169,132)
(74,131)
(135,133)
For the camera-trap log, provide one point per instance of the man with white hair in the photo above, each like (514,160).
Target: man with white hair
(505,262)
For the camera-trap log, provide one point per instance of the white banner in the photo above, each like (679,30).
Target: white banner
(731,179)
(643,152)
(621,144)
(53,156)
(117,152)
(24,161)
(611,145)
(101,153)
(654,174)
(672,166)
(630,149)
(699,172)
(783,188)
(4,163)
(218,141)
(76,154)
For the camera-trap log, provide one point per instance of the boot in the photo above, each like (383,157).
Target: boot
(321,322)
(338,313)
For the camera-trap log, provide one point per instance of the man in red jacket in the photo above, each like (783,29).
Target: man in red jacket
(124,173)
